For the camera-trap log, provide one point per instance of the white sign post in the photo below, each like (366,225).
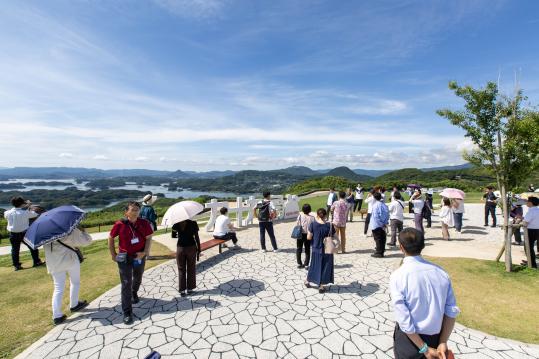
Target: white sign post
(239,209)
(215,206)
(291,207)
(250,204)
(278,202)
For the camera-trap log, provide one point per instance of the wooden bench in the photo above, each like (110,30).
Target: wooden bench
(212,243)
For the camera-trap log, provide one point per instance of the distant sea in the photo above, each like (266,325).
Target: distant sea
(129,186)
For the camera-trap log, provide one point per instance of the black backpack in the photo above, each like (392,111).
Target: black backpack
(263,211)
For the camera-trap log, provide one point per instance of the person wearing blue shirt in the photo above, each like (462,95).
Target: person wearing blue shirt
(424,303)
(379,222)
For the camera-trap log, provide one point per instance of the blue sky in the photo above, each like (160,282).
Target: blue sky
(211,85)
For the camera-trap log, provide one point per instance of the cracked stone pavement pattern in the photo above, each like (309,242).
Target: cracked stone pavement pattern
(252,304)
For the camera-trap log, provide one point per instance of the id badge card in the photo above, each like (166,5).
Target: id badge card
(134,240)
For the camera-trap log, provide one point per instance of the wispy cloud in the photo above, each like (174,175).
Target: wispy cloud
(287,78)
(199,9)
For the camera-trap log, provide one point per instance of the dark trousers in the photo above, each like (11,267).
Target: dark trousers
(379,235)
(186,258)
(404,348)
(492,211)
(418,220)
(518,236)
(458,221)
(533,238)
(16,239)
(357,204)
(130,277)
(229,236)
(301,243)
(267,226)
(367,221)
(396,228)
(429,219)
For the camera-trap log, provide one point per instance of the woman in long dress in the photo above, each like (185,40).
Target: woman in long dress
(321,268)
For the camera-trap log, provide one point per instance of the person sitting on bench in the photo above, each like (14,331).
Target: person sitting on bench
(224,229)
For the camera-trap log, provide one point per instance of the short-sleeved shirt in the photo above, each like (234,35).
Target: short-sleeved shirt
(490,199)
(532,217)
(127,232)
(271,208)
(340,208)
(187,236)
(18,219)
(304,221)
(221,225)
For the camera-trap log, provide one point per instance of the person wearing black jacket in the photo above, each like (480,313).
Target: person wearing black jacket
(428,209)
(490,206)
(188,248)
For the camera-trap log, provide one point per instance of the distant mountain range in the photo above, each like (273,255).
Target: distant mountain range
(299,171)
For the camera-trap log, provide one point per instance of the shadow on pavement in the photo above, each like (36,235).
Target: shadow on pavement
(237,288)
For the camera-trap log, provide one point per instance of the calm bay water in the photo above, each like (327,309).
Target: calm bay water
(129,186)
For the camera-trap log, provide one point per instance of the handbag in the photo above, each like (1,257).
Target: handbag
(331,244)
(297,230)
(76,250)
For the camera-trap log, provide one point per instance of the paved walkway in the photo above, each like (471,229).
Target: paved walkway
(253,304)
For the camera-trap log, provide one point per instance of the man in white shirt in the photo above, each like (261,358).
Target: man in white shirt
(396,217)
(332,197)
(531,220)
(224,229)
(458,213)
(358,200)
(424,303)
(265,212)
(18,221)
(370,201)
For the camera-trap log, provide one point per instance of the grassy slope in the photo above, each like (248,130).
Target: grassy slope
(493,301)
(25,296)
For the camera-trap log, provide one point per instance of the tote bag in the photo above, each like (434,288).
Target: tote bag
(331,244)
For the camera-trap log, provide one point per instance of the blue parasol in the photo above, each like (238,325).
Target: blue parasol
(53,225)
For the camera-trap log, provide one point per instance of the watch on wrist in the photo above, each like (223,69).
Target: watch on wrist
(423,349)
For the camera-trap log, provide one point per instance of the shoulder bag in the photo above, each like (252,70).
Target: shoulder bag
(76,250)
(296,232)
(331,243)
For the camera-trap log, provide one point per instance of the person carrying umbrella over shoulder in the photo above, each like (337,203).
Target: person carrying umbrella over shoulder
(188,246)
(62,259)
(134,243)
(56,230)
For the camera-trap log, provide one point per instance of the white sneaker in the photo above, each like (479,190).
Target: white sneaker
(276,250)
(263,250)
(235,246)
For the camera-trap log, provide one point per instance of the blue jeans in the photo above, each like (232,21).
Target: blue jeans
(267,226)
(458,221)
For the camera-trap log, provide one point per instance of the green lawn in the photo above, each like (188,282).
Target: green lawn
(25,296)
(494,301)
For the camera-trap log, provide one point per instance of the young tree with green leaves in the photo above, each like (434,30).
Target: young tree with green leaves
(506,139)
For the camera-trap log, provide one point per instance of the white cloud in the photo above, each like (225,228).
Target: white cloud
(381,107)
(100,157)
(65,155)
(142,159)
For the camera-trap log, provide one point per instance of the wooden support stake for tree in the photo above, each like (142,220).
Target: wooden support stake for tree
(500,253)
(508,259)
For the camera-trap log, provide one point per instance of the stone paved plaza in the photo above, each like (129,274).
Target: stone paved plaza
(253,304)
